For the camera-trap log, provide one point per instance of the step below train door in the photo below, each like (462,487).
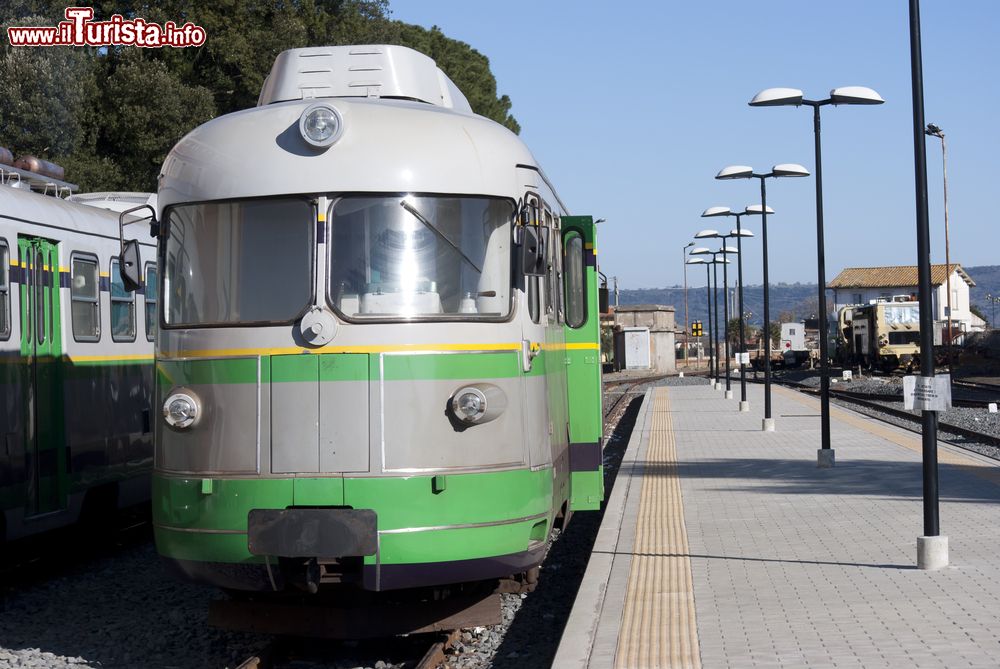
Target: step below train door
(583,351)
(41,348)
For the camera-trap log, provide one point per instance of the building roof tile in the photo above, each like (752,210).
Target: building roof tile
(897,276)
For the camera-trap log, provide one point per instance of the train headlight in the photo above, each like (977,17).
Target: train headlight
(469,404)
(481,403)
(181,410)
(321,125)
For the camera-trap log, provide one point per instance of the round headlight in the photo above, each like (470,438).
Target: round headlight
(469,404)
(181,410)
(321,125)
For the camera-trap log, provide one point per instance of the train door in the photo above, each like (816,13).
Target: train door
(41,348)
(583,363)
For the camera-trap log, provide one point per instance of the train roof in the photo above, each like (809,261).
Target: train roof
(388,144)
(54,212)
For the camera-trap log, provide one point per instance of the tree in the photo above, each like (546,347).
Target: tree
(110,115)
(59,127)
(469,69)
(148,109)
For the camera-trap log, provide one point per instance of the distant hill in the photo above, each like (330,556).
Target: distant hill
(987,278)
(794,301)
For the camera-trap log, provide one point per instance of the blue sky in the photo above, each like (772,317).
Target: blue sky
(632,108)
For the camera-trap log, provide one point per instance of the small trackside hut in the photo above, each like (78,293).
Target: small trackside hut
(378,361)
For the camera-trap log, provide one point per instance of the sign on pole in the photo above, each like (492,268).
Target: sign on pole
(927,393)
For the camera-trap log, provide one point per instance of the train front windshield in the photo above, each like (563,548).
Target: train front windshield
(389,258)
(238,262)
(394,257)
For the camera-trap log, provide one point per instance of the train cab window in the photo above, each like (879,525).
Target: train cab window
(238,263)
(150,300)
(85,297)
(420,257)
(576,296)
(122,307)
(4,290)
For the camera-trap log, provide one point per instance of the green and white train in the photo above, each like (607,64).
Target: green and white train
(378,354)
(76,359)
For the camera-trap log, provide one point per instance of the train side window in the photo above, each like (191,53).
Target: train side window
(122,307)
(4,290)
(151,298)
(85,298)
(576,295)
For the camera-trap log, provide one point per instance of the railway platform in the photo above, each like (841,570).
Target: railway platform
(726,546)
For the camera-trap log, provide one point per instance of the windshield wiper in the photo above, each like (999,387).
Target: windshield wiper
(430,226)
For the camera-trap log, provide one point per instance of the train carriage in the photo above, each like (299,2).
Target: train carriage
(76,361)
(378,359)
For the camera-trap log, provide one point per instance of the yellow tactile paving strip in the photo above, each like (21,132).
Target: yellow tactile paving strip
(910,441)
(658,625)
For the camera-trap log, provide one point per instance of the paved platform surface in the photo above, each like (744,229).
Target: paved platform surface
(725,546)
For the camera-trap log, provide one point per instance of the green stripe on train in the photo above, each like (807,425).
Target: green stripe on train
(347,367)
(401,503)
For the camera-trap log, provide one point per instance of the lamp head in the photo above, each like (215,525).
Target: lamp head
(735,172)
(934,130)
(855,95)
(717,211)
(740,233)
(695,261)
(729,249)
(707,233)
(777,97)
(756,210)
(700,251)
(689,244)
(789,170)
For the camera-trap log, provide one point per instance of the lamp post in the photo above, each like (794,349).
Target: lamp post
(708,286)
(687,325)
(706,234)
(744,172)
(713,299)
(847,95)
(936,131)
(739,233)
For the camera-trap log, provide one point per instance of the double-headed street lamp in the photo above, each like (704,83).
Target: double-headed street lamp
(713,305)
(708,286)
(739,233)
(714,234)
(847,95)
(744,172)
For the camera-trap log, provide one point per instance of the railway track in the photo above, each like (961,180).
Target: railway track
(881,404)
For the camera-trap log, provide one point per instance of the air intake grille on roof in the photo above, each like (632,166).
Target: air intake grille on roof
(382,71)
